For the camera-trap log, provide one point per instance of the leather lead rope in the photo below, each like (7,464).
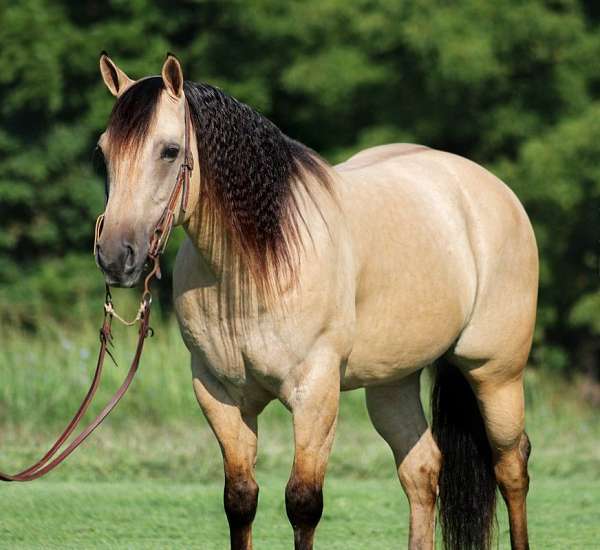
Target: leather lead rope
(158,242)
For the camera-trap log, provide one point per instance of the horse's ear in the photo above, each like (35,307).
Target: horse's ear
(172,76)
(114,78)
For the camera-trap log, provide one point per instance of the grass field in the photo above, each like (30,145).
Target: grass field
(152,476)
(361,514)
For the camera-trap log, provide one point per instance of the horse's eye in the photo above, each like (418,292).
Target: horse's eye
(100,168)
(170,152)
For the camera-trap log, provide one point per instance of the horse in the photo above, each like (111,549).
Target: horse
(298,280)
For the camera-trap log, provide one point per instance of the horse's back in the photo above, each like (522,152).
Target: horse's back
(433,234)
(379,153)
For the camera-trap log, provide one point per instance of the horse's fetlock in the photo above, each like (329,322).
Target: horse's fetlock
(304,503)
(241,500)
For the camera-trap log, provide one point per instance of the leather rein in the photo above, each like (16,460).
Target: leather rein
(158,242)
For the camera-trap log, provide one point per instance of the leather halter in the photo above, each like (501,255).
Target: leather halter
(158,242)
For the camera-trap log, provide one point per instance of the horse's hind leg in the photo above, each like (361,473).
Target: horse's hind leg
(499,391)
(397,414)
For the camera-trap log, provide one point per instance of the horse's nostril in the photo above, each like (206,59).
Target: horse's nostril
(100,258)
(130,260)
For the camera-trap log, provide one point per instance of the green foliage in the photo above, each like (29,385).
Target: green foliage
(512,85)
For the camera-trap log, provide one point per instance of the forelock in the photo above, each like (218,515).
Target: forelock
(133,114)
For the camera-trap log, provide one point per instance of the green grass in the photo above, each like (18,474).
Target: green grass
(151,477)
(359,514)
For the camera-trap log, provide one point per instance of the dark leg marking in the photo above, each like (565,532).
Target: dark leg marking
(304,505)
(241,500)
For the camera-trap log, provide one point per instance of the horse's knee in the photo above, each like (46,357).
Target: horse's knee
(241,500)
(304,503)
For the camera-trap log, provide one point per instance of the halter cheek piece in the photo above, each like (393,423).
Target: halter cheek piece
(158,242)
(162,230)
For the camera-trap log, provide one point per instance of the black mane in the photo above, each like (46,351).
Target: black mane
(249,169)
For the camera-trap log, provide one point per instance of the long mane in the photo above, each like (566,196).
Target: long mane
(251,174)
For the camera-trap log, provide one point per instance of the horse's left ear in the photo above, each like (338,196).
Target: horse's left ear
(114,78)
(172,76)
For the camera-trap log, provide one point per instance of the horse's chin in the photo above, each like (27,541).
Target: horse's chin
(123,281)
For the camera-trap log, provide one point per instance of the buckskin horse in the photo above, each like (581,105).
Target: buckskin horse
(298,279)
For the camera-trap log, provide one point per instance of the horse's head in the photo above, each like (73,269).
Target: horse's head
(143,148)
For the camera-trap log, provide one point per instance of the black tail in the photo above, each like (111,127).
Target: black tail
(467,497)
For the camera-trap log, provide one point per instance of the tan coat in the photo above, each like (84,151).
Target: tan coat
(416,254)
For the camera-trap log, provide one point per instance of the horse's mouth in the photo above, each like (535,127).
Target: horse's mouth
(123,281)
(127,278)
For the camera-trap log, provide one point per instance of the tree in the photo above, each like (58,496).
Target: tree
(512,85)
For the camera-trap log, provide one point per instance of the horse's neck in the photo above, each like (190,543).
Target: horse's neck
(209,242)
(219,260)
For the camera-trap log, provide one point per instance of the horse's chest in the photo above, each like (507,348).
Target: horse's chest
(264,348)
(266,344)
(205,341)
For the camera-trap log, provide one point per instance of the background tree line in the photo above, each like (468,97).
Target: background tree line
(513,85)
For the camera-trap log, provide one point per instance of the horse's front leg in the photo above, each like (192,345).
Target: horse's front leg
(236,431)
(313,398)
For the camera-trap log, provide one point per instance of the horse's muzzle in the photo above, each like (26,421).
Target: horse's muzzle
(121,263)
